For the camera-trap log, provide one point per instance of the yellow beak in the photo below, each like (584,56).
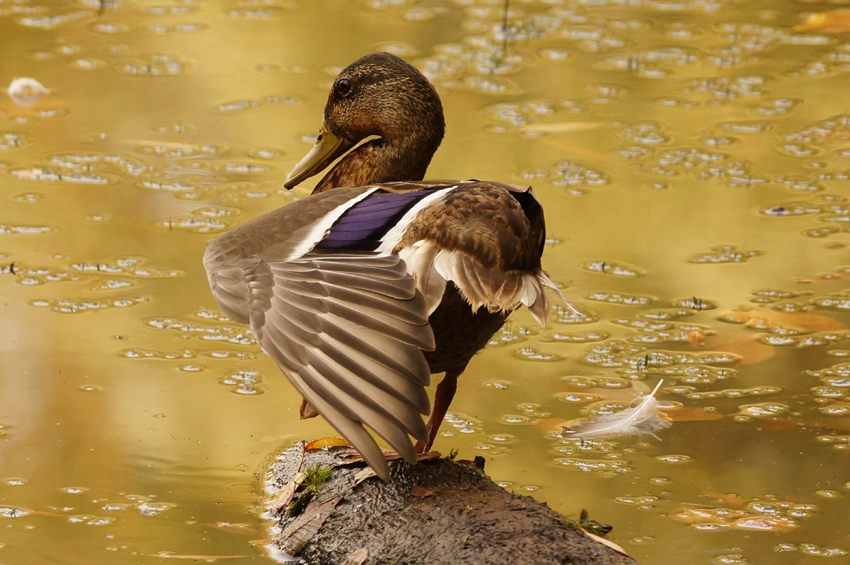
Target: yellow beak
(328,147)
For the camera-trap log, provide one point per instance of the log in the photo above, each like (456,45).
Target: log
(330,508)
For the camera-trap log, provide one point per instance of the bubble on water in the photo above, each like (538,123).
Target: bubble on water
(696,374)
(496,385)
(458,423)
(91,388)
(154,508)
(837,409)
(57,18)
(105,217)
(44,174)
(673,458)
(647,500)
(646,133)
(606,468)
(775,107)
(256,12)
(555,54)
(613,268)
(828,493)
(269,153)
(156,64)
(837,302)
(620,298)
(14,140)
(725,254)
(194,224)
(161,10)
(239,167)
(588,336)
(532,354)
(89,64)
(14,512)
(242,377)
(29,197)
(173,127)
(577,397)
(205,332)
(115,48)
(139,353)
(109,27)
(76,306)
(247,390)
(90,520)
(678,103)
(74,490)
(183,27)
(763,409)
(236,106)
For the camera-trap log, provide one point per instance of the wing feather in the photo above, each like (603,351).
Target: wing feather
(348,330)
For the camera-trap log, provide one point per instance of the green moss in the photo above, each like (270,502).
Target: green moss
(314,481)
(316,476)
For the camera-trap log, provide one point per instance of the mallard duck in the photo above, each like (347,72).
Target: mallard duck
(362,290)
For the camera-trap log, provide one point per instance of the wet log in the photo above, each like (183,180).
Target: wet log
(330,508)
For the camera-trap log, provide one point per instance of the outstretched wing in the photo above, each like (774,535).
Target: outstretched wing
(347,327)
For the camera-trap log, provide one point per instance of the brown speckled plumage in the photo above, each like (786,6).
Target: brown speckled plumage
(386,96)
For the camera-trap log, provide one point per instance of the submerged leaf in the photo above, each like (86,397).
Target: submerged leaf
(831,21)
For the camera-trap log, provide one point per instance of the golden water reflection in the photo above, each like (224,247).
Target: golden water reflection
(693,158)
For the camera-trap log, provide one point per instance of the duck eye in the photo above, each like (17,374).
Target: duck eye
(343,86)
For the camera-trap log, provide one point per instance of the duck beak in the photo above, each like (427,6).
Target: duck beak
(328,147)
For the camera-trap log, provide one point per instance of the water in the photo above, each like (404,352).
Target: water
(693,161)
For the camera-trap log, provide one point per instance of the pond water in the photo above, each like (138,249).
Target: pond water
(693,159)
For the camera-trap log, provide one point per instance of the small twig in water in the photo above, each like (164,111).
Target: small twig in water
(505,29)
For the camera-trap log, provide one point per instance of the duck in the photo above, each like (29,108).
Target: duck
(379,279)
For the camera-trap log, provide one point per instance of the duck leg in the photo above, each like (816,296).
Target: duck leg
(442,399)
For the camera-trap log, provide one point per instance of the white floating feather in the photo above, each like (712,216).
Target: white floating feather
(26,91)
(641,419)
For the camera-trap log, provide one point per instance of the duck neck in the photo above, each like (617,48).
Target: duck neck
(385,160)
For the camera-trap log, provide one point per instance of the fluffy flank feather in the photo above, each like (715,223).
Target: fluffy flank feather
(641,419)
(547,282)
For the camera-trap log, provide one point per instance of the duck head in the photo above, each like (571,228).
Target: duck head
(379,96)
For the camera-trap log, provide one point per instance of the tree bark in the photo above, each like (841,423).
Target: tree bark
(438,511)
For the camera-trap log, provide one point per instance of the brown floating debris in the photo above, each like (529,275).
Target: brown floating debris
(830,21)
